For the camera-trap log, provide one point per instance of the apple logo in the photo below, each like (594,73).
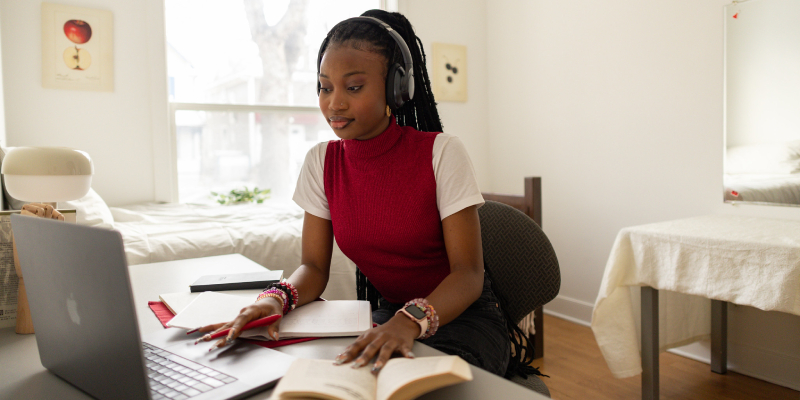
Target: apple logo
(72,309)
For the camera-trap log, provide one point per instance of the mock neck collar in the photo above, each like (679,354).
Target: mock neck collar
(376,146)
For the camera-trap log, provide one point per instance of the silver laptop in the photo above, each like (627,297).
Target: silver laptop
(86,329)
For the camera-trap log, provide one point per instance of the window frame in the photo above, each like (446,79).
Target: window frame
(165,154)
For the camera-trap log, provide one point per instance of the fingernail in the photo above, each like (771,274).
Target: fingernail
(358,364)
(410,355)
(376,368)
(339,360)
(229,340)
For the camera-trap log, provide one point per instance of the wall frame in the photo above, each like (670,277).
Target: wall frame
(449,72)
(77,51)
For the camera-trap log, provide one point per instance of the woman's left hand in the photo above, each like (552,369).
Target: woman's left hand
(395,336)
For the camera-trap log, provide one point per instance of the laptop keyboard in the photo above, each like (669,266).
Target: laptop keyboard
(174,377)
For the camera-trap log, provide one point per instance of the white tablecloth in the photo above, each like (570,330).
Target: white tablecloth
(742,260)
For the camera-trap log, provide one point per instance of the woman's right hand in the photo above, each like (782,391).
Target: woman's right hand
(260,309)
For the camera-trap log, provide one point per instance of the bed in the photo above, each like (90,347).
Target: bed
(763,172)
(269,234)
(763,188)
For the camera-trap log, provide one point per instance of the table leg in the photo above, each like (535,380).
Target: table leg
(649,343)
(719,336)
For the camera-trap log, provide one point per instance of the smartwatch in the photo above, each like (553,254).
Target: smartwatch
(417,315)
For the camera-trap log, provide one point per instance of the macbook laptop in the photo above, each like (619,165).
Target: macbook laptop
(87,332)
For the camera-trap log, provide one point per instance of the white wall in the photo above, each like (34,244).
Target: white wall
(115,128)
(464,23)
(618,106)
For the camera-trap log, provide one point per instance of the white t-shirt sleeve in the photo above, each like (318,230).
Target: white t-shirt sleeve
(456,184)
(309,193)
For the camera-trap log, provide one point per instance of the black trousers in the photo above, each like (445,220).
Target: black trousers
(479,335)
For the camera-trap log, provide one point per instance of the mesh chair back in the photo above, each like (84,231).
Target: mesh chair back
(519,258)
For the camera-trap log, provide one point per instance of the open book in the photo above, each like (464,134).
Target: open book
(400,379)
(316,319)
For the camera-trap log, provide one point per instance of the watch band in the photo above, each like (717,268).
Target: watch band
(423,322)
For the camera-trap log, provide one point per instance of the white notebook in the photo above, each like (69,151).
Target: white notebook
(176,302)
(316,319)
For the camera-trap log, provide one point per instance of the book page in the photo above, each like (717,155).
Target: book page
(408,378)
(321,379)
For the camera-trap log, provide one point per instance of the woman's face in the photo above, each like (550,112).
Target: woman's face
(353,92)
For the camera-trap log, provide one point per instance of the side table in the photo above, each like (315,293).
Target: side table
(742,260)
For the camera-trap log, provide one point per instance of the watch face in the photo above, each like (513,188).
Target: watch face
(415,311)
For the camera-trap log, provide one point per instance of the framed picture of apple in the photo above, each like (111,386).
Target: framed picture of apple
(77,48)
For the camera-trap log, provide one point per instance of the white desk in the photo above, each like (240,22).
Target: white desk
(742,260)
(23,376)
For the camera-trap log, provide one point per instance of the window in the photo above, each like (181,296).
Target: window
(242,90)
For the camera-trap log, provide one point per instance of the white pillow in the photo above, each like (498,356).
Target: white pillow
(763,159)
(91,210)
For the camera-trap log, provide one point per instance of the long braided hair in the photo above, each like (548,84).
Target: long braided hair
(420,112)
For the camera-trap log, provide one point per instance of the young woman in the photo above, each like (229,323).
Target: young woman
(400,198)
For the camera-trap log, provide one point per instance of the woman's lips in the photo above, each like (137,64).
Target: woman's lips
(339,122)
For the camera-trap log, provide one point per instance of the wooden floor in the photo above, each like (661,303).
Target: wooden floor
(578,371)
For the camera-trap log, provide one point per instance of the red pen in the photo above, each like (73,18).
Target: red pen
(250,325)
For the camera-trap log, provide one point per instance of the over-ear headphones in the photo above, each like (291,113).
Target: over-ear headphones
(399,80)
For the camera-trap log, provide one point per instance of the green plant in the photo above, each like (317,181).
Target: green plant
(242,196)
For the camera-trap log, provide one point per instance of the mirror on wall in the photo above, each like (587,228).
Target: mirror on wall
(762,102)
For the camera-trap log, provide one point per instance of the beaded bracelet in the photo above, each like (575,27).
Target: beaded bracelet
(278,294)
(287,292)
(433,321)
(274,295)
(295,295)
(430,314)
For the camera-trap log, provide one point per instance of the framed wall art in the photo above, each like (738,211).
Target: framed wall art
(449,72)
(77,48)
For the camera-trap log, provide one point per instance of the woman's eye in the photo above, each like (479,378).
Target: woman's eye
(353,88)
(324,89)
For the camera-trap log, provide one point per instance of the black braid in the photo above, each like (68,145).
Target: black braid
(420,112)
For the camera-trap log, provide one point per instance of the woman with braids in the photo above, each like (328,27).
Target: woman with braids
(400,198)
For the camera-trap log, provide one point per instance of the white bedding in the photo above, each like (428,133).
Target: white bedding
(269,234)
(768,188)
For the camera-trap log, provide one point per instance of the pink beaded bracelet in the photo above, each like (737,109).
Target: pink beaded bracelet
(295,295)
(279,294)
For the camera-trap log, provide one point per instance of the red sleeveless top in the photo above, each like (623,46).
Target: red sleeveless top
(382,197)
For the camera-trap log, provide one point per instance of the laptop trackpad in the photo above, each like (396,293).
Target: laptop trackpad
(246,362)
